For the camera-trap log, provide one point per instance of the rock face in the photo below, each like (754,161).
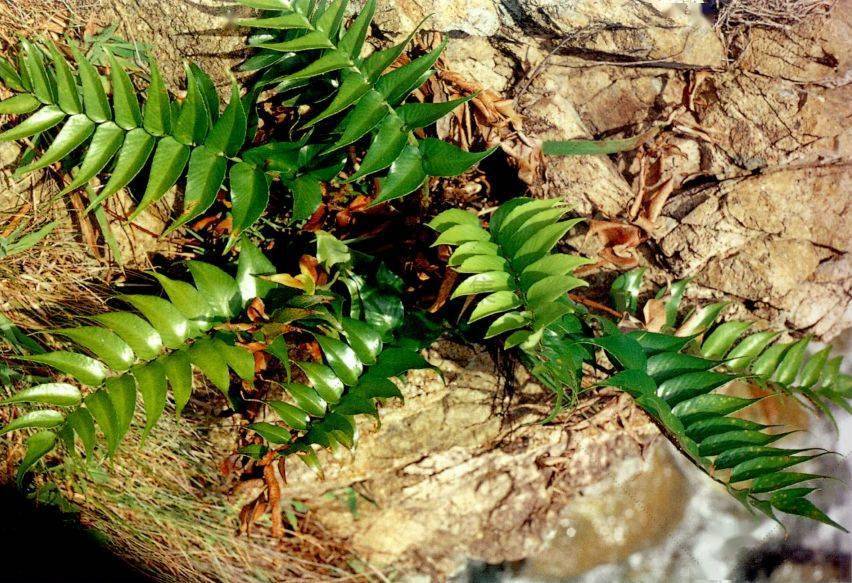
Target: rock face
(449,477)
(201,31)
(749,238)
(635,508)
(753,160)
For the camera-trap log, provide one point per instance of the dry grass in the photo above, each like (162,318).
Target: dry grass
(163,506)
(58,277)
(736,17)
(43,17)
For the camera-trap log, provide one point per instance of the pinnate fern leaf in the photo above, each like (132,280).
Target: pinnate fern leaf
(147,351)
(524,283)
(681,386)
(100,132)
(371,97)
(760,355)
(360,357)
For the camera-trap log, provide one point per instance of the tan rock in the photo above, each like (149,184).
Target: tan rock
(636,508)
(473,17)
(622,30)
(449,478)
(816,51)
(754,241)
(200,31)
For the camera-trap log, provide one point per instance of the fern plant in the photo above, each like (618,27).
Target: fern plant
(199,328)
(307,54)
(192,142)
(675,376)
(760,356)
(339,355)
(355,373)
(149,350)
(512,261)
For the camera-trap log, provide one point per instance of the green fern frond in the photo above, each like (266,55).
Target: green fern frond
(191,139)
(360,358)
(148,350)
(526,285)
(678,378)
(784,366)
(371,98)
(681,392)
(512,262)
(157,347)
(321,411)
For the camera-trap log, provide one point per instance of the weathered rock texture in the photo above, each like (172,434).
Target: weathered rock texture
(754,152)
(450,475)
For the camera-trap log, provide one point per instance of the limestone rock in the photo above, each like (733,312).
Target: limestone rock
(750,239)
(474,17)
(639,30)
(448,478)
(636,508)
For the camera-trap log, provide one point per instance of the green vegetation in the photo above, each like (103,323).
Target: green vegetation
(333,339)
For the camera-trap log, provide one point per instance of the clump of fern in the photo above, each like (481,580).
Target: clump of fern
(207,148)
(358,328)
(192,139)
(340,340)
(675,375)
(525,282)
(95,124)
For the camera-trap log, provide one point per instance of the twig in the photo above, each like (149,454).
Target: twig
(531,76)
(594,305)
(16,219)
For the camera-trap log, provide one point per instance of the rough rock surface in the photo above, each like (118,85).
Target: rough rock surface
(201,31)
(748,238)
(447,477)
(757,149)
